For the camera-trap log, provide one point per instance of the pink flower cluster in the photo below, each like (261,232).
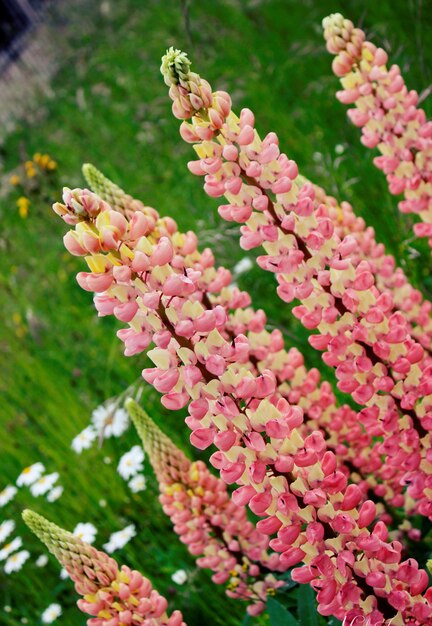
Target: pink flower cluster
(205,518)
(360,330)
(388,115)
(113,596)
(388,277)
(169,293)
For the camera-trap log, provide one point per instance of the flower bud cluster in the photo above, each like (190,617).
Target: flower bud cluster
(113,596)
(388,115)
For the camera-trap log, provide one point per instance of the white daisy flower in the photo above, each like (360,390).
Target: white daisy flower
(7,494)
(137,483)
(6,528)
(339,148)
(120,538)
(44,484)
(55,493)
(41,561)
(51,614)
(30,474)
(131,463)
(63,574)
(86,532)
(179,577)
(7,549)
(110,421)
(84,439)
(16,561)
(244,265)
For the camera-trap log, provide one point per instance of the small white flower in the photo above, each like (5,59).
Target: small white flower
(107,460)
(6,528)
(7,608)
(44,484)
(42,560)
(16,561)
(86,532)
(110,421)
(84,439)
(131,463)
(63,574)
(179,577)
(244,265)
(55,493)
(339,148)
(24,620)
(7,549)
(30,474)
(120,538)
(51,613)
(7,494)
(137,483)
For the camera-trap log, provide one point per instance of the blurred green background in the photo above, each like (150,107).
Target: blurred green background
(110,107)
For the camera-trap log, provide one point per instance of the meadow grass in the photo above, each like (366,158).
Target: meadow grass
(59,361)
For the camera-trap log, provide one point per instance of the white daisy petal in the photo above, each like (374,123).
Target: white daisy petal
(84,439)
(30,474)
(131,463)
(16,561)
(137,483)
(7,549)
(7,494)
(51,613)
(44,484)
(6,528)
(85,531)
(120,538)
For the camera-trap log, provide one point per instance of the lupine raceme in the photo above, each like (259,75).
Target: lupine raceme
(388,114)
(360,330)
(292,480)
(113,595)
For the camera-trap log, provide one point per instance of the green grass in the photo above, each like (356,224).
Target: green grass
(111,109)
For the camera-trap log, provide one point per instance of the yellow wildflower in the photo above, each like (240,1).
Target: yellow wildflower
(15,180)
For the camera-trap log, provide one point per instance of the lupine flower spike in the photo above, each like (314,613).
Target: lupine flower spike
(355,451)
(388,115)
(113,596)
(169,293)
(360,330)
(212,526)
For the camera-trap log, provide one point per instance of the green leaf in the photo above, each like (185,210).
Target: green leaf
(307,607)
(247,620)
(279,615)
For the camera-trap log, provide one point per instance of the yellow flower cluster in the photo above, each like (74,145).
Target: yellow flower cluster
(23,204)
(42,161)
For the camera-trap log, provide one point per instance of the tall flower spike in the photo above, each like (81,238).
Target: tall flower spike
(112,595)
(388,115)
(360,331)
(207,520)
(356,454)
(165,289)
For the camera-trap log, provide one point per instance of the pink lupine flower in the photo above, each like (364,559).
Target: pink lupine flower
(211,525)
(304,386)
(388,115)
(309,490)
(361,333)
(111,595)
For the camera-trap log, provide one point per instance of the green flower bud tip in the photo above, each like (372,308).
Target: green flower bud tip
(175,66)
